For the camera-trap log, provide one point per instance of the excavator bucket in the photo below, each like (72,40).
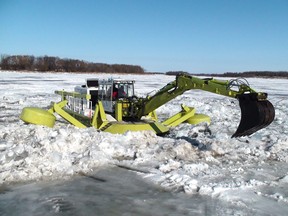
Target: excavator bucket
(255,114)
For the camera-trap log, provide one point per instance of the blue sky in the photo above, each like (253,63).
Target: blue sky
(198,36)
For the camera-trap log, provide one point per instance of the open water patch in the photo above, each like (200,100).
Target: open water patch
(122,193)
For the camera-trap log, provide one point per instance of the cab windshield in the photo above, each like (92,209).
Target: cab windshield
(123,90)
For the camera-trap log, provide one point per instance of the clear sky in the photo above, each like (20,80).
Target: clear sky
(198,36)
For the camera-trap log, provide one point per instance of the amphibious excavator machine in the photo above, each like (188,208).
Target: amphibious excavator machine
(111,105)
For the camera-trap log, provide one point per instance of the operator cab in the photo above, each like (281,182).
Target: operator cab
(112,90)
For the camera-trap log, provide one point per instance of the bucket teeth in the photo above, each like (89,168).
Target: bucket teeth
(255,114)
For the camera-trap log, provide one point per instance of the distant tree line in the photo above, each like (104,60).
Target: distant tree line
(56,64)
(266,74)
(173,73)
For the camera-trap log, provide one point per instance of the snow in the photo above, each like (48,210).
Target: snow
(250,172)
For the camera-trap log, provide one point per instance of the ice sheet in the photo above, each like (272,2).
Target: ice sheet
(251,172)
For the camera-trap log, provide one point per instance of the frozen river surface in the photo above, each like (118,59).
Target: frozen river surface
(195,170)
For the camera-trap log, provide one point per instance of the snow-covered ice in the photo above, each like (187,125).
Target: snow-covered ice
(250,172)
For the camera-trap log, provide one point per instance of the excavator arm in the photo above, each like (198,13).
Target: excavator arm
(256,111)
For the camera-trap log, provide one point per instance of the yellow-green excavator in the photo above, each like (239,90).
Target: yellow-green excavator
(111,106)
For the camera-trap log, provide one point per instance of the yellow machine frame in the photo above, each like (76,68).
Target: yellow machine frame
(136,114)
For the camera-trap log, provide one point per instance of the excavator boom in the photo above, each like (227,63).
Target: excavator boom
(256,111)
